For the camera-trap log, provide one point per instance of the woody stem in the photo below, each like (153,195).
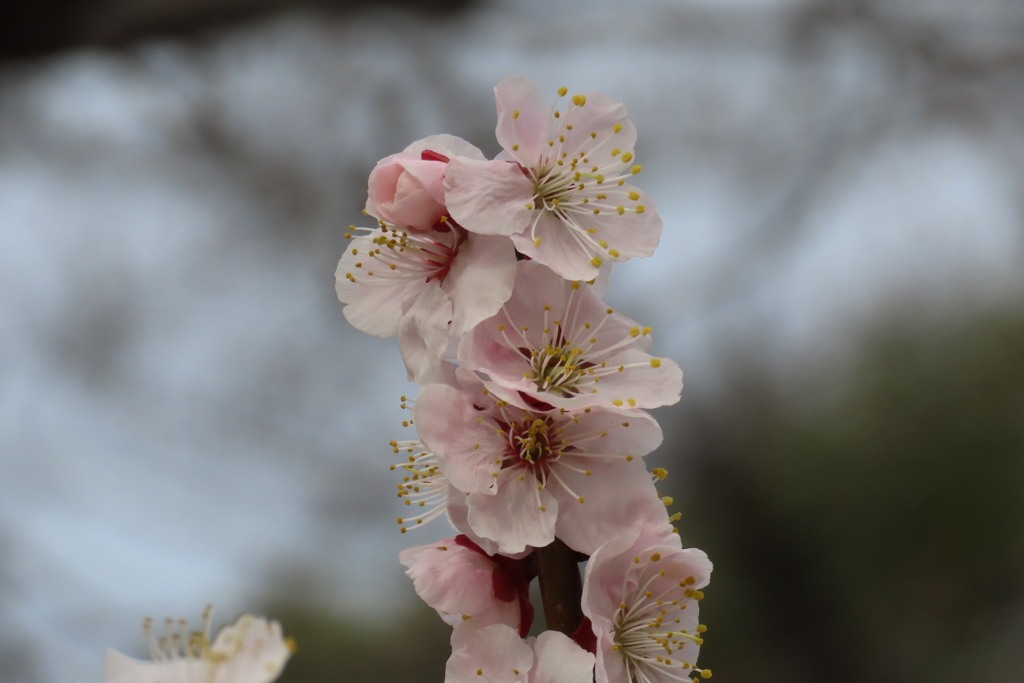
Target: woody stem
(561,588)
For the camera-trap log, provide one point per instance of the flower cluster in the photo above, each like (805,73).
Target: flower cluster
(530,416)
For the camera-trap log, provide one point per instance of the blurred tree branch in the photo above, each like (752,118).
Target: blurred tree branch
(37,29)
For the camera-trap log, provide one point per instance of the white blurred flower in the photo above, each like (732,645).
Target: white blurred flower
(252,650)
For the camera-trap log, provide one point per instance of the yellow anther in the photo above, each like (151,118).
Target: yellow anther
(629,458)
(646,330)
(660,473)
(575,284)
(667,500)
(635,332)
(536,242)
(580,499)
(515,148)
(655,557)
(620,210)
(614,253)
(515,114)
(655,363)
(501,328)
(701,628)
(562,91)
(636,169)
(597,210)
(631,402)
(596,261)
(640,208)
(706,673)
(633,195)
(617,402)
(579,100)
(698,595)
(617,127)
(627,157)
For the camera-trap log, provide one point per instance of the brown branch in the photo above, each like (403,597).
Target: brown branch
(561,588)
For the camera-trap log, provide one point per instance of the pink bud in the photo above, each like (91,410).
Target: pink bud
(408,190)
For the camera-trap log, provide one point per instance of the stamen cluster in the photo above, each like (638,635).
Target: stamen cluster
(530,419)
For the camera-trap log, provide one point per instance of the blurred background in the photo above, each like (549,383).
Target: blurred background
(185,416)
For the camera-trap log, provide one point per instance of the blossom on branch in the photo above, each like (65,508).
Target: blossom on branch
(532,475)
(641,593)
(252,650)
(424,286)
(559,189)
(555,344)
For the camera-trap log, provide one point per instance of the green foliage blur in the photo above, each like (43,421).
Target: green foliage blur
(879,533)
(874,532)
(334,649)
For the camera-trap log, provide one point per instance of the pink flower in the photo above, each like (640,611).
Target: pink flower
(496,654)
(469,588)
(252,650)
(531,475)
(407,189)
(559,188)
(641,593)
(424,286)
(554,344)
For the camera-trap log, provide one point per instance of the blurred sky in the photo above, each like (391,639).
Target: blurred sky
(184,413)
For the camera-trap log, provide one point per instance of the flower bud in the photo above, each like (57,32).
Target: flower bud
(408,190)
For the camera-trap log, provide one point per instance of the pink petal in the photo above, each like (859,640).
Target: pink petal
(524,119)
(480,280)
(599,115)
(488,197)
(497,651)
(559,248)
(423,334)
(454,580)
(617,495)
(557,659)
(467,449)
(513,518)
(375,310)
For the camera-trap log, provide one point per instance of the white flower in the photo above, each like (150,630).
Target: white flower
(252,650)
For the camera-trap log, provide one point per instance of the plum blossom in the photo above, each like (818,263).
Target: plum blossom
(407,188)
(469,588)
(496,654)
(559,189)
(531,475)
(555,344)
(252,650)
(424,286)
(641,592)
